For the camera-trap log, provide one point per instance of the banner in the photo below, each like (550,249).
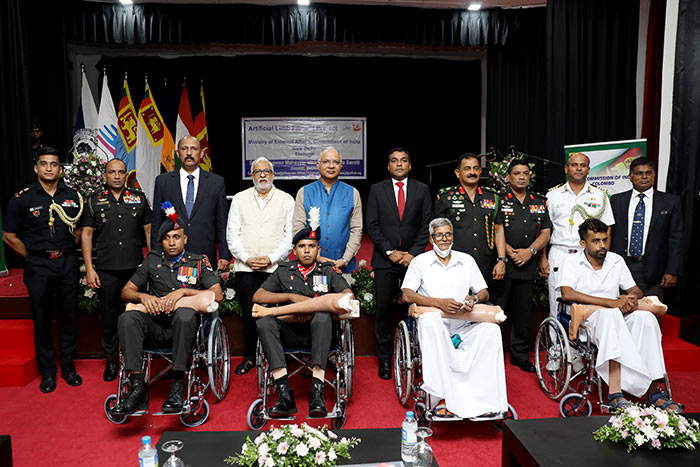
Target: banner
(3,265)
(294,145)
(610,162)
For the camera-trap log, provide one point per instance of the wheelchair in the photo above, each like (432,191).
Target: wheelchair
(209,367)
(408,379)
(342,353)
(563,365)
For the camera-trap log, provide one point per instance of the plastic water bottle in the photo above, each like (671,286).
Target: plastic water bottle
(148,454)
(408,439)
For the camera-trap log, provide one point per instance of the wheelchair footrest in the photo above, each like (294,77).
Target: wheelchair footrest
(183,411)
(267,417)
(335,414)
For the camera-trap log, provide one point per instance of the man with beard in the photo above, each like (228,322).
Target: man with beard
(118,218)
(259,235)
(472,210)
(199,197)
(630,355)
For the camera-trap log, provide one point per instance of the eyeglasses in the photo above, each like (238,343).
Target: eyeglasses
(263,171)
(330,162)
(441,236)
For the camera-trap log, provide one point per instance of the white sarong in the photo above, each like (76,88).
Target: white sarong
(470,378)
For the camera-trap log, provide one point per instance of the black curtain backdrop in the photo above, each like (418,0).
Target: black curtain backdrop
(432,107)
(517,94)
(684,170)
(591,73)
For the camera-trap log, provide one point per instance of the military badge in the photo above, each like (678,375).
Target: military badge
(537,209)
(187,275)
(69,203)
(488,204)
(320,284)
(36,211)
(131,199)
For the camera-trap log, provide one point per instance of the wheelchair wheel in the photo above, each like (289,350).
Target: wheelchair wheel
(553,358)
(349,350)
(420,413)
(254,417)
(198,415)
(338,423)
(218,359)
(511,414)
(260,368)
(575,405)
(110,402)
(403,363)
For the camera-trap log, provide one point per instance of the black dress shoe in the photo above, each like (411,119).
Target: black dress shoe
(136,399)
(317,403)
(524,365)
(285,405)
(48,384)
(176,398)
(111,370)
(245,367)
(72,378)
(385,370)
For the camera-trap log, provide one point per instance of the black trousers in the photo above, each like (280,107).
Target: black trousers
(53,282)
(274,334)
(386,283)
(111,306)
(647,287)
(137,329)
(246,284)
(515,297)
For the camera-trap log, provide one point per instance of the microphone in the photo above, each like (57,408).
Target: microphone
(512,152)
(491,155)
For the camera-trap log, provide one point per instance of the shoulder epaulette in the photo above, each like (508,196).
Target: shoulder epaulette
(554,187)
(538,194)
(600,188)
(488,188)
(96,192)
(447,189)
(23,190)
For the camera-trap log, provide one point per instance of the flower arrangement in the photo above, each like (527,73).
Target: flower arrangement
(499,171)
(294,445)
(230,302)
(651,427)
(84,175)
(88,298)
(363,287)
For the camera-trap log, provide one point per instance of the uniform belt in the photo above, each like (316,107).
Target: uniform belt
(636,259)
(51,254)
(566,249)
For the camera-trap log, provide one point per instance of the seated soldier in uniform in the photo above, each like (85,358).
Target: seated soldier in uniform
(180,284)
(460,340)
(623,327)
(299,281)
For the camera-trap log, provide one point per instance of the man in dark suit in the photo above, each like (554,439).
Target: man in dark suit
(651,241)
(199,197)
(398,213)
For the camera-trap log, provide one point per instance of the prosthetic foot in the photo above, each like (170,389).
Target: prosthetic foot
(136,399)
(285,405)
(351,306)
(578,314)
(652,304)
(176,398)
(317,403)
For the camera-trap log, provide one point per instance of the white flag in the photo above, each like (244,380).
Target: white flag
(87,112)
(107,135)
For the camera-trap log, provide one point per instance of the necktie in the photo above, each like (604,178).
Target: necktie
(637,235)
(189,197)
(401,199)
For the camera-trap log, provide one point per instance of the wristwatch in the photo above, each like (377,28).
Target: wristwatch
(533,251)
(389,252)
(502,258)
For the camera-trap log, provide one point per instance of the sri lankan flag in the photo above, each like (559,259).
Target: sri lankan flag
(200,128)
(126,126)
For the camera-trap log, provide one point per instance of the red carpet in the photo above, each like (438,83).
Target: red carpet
(68,426)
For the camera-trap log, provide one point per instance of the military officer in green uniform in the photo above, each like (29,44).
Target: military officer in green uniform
(117,218)
(170,276)
(527,226)
(472,210)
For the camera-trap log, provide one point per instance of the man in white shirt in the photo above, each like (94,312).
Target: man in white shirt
(568,205)
(462,361)
(630,355)
(259,235)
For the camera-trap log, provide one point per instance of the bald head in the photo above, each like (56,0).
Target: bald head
(115,175)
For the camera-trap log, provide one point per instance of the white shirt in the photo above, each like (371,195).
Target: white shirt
(565,210)
(184,181)
(578,273)
(648,203)
(427,276)
(396,189)
(233,229)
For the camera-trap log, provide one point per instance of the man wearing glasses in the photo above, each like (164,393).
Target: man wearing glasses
(259,235)
(341,213)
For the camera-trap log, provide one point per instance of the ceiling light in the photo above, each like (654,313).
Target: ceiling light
(126,2)
(303,2)
(474,7)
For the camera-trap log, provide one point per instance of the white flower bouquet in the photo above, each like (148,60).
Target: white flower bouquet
(650,427)
(85,174)
(294,445)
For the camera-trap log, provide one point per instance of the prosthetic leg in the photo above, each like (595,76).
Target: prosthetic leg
(480,313)
(341,305)
(581,312)
(202,303)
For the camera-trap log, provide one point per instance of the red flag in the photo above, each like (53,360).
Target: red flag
(200,129)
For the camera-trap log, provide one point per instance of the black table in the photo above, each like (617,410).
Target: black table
(210,448)
(569,442)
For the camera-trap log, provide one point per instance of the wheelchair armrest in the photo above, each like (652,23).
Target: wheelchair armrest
(561,301)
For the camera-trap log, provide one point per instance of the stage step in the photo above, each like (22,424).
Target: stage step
(17,361)
(678,354)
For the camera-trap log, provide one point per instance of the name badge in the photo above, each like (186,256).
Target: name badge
(320,283)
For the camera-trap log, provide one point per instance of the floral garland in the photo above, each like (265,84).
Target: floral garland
(84,175)
(293,445)
(649,427)
(363,287)
(230,302)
